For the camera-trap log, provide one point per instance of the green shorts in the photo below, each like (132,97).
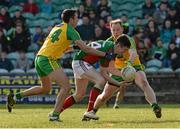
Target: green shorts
(119,79)
(44,65)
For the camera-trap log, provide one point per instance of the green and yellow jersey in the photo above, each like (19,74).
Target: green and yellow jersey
(58,41)
(120,61)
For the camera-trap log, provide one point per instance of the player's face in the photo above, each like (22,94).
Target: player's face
(120,49)
(75,20)
(116,30)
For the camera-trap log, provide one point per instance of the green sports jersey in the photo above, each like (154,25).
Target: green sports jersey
(133,44)
(104,46)
(110,39)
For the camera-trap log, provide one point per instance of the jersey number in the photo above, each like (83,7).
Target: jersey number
(95,45)
(55,35)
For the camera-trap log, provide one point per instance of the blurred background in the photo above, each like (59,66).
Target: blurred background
(154,25)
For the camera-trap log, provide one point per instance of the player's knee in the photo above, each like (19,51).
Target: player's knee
(145,83)
(45,90)
(66,88)
(79,97)
(102,98)
(101,82)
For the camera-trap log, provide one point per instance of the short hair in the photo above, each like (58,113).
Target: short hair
(124,41)
(67,14)
(116,22)
(85,15)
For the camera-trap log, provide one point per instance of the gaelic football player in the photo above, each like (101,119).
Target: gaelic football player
(46,62)
(85,72)
(129,57)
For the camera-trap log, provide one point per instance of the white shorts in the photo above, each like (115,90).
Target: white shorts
(80,67)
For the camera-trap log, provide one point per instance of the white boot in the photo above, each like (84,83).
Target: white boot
(91,115)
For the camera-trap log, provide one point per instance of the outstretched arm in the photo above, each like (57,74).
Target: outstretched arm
(88,49)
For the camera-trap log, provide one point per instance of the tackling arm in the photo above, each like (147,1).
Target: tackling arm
(88,49)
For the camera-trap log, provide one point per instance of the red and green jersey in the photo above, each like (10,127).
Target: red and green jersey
(104,46)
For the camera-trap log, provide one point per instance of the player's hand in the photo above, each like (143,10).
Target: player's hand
(109,55)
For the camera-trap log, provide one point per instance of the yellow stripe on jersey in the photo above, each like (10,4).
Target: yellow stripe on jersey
(53,64)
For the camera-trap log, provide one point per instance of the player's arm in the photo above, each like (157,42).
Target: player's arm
(104,72)
(132,55)
(73,35)
(132,51)
(113,70)
(88,49)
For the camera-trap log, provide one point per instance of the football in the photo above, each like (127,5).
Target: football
(128,73)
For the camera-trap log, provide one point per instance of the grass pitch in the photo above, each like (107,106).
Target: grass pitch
(127,116)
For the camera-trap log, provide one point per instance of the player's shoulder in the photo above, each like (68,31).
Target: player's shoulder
(71,29)
(64,25)
(131,40)
(108,43)
(103,41)
(110,39)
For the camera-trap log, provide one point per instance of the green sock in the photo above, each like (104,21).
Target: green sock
(56,113)
(117,103)
(19,95)
(154,105)
(95,110)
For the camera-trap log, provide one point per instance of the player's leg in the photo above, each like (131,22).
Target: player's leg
(107,93)
(96,77)
(119,96)
(62,80)
(150,96)
(81,85)
(86,71)
(99,81)
(35,90)
(43,69)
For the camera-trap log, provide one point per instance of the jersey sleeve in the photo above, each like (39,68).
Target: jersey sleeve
(104,62)
(133,44)
(72,34)
(110,39)
(108,47)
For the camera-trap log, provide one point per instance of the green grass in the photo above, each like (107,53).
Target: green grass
(128,116)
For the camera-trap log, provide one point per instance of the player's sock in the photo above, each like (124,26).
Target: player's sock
(154,105)
(19,95)
(56,113)
(95,110)
(116,102)
(69,101)
(156,110)
(92,98)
